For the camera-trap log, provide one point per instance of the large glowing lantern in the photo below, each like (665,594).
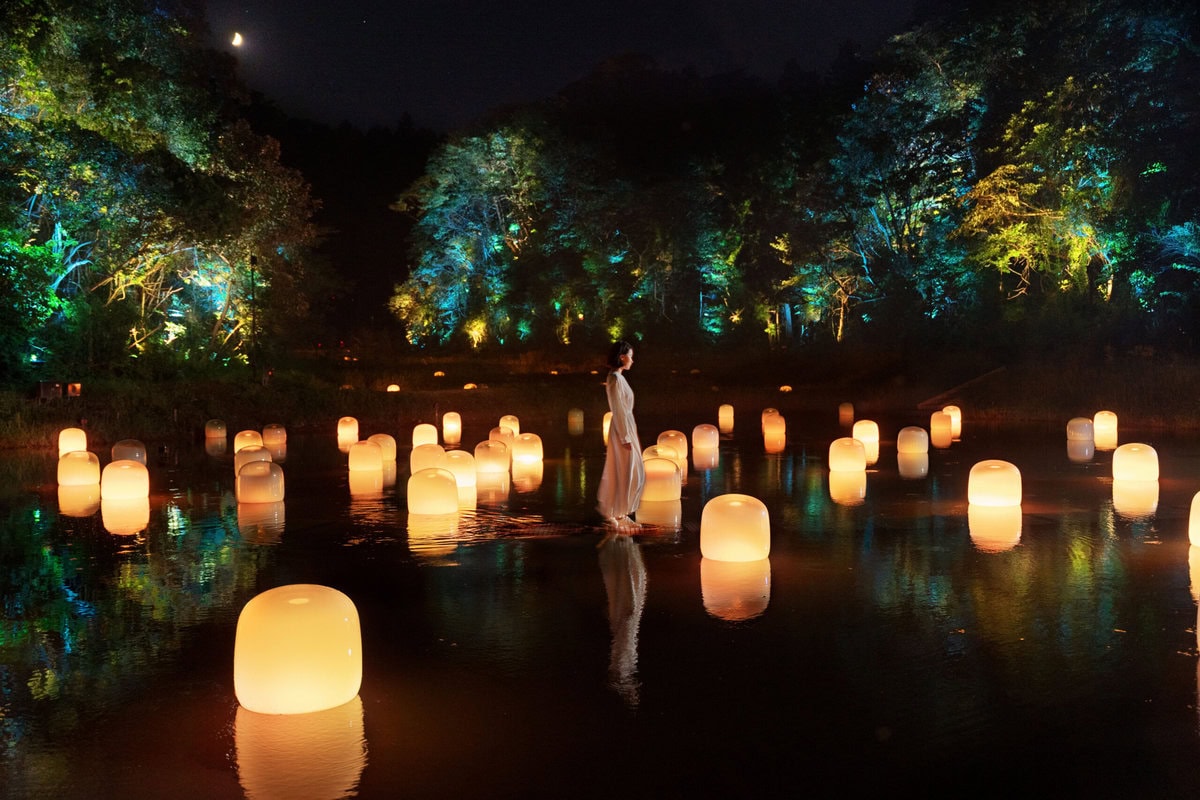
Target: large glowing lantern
(274,435)
(82,500)
(848,487)
(125,516)
(705,437)
(1079,429)
(365,483)
(298,649)
(955,415)
(847,454)
(940,430)
(248,438)
(387,445)
(994,529)
(78,468)
(424,433)
(432,491)
(662,479)
(774,428)
(1135,462)
(846,415)
(867,432)
(575,421)
(766,413)
(124,480)
(426,456)
(527,448)
(660,513)
(365,456)
(735,527)
(994,483)
(735,591)
(319,754)
(725,418)
(912,466)
(606,425)
(347,432)
(215,429)
(676,439)
(491,456)
(511,422)
(1104,429)
(462,465)
(912,440)
(451,428)
(259,482)
(248,454)
(1134,498)
(1194,521)
(71,439)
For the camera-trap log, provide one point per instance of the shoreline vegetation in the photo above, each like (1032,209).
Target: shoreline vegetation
(1148,391)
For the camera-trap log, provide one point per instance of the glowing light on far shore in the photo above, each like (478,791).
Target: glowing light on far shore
(237,39)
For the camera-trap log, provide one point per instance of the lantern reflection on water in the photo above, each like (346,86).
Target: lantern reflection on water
(125,516)
(247,439)
(660,513)
(848,487)
(215,429)
(451,428)
(994,529)
(735,591)
(81,500)
(662,479)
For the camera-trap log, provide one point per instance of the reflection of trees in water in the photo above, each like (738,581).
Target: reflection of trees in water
(625,582)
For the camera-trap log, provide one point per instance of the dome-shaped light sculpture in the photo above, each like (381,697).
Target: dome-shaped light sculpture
(663,480)
(725,418)
(452,428)
(912,440)
(994,483)
(426,456)
(387,445)
(677,440)
(735,527)
(247,454)
(491,456)
(955,415)
(1104,430)
(260,482)
(297,649)
(215,429)
(705,437)
(774,428)
(867,432)
(247,438)
(392,388)
(347,432)
(424,433)
(512,422)
(129,450)
(432,491)
(70,440)
(1135,462)
(462,465)
(274,435)
(846,415)
(79,468)
(847,454)
(124,480)
(365,456)
(527,448)
(1079,429)
(940,430)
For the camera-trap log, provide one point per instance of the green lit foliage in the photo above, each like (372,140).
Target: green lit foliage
(26,278)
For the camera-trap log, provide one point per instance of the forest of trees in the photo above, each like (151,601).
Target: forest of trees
(1000,171)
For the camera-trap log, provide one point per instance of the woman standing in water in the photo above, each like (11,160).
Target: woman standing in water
(624,476)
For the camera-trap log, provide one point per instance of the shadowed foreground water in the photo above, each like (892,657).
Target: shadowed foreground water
(886,647)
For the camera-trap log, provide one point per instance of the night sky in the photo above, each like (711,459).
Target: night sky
(446,62)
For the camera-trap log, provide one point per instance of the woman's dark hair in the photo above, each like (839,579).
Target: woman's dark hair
(618,349)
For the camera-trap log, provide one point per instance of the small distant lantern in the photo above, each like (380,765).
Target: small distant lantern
(705,437)
(994,483)
(511,422)
(677,440)
(365,456)
(432,491)
(766,414)
(912,440)
(785,388)
(662,479)
(424,433)
(467,387)
(1079,429)
(774,433)
(848,487)
(1135,498)
(260,482)
(846,415)
(735,527)
(347,432)
(426,456)
(79,468)
(125,516)
(1194,521)
(527,448)
(847,454)
(1104,430)
(247,439)
(452,428)
(725,418)
(955,414)
(912,466)
(71,439)
(606,425)
(392,388)
(660,513)
(274,435)
(129,449)
(247,454)
(215,429)
(867,432)
(994,529)
(491,456)
(387,445)
(1080,451)
(735,591)
(124,480)
(940,430)
(462,465)
(1135,462)
(575,422)
(298,649)
(82,500)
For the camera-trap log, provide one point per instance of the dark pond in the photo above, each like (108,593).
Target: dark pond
(890,648)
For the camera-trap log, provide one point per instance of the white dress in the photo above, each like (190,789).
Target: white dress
(624,475)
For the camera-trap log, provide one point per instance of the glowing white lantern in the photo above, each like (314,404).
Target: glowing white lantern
(82,500)
(994,483)
(527,475)
(1079,429)
(259,482)
(846,415)
(129,450)
(912,440)
(847,454)
(247,454)
(955,414)
(392,388)
(735,591)
(247,439)
(70,440)
(274,435)
(462,465)
(527,448)
(432,491)
(215,429)
(774,433)
(78,468)
(387,445)
(848,487)
(605,426)
(575,422)
(347,432)
(676,439)
(867,432)
(261,523)
(1079,451)
(725,418)
(660,451)
(912,466)
(994,529)
(940,430)
(298,649)
(451,428)
(662,479)
(124,480)
(491,456)
(125,516)
(1104,429)
(1135,498)
(1194,521)
(766,414)
(424,433)
(1135,462)
(705,437)
(735,527)
(502,433)
(319,754)
(511,422)
(660,513)
(426,456)
(365,456)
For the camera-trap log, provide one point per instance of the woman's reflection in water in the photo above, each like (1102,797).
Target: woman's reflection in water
(625,581)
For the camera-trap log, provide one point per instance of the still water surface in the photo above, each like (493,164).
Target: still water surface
(888,647)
